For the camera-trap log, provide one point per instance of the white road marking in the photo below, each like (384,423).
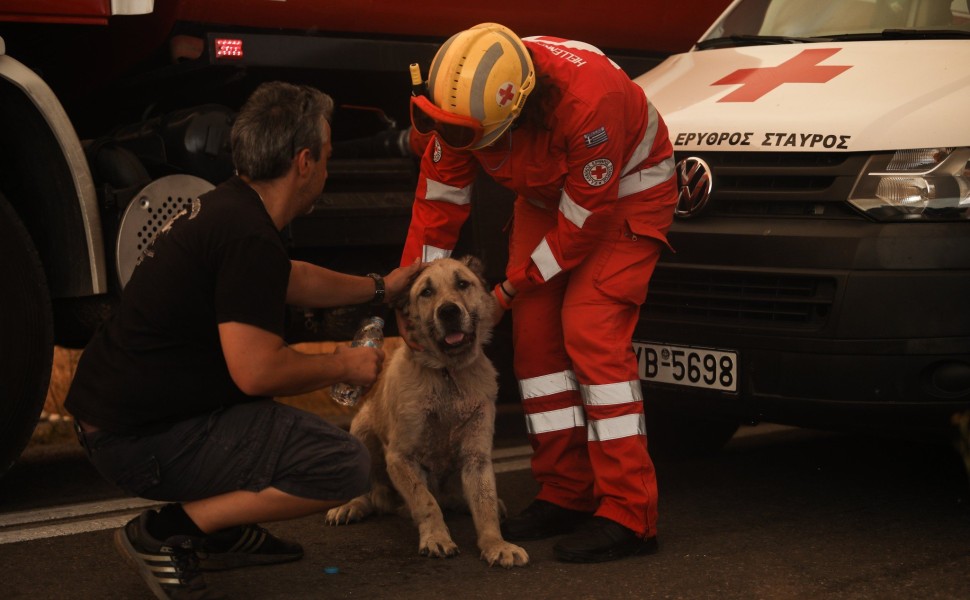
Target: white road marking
(69,519)
(72,519)
(522,464)
(500,454)
(96,516)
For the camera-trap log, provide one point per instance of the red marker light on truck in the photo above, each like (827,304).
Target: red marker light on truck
(228,48)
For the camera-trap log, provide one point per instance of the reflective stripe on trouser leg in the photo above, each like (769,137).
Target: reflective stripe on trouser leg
(600,311)
(625,484)
(557,429)
(550,395)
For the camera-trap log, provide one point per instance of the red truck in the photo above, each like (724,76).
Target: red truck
(115,112)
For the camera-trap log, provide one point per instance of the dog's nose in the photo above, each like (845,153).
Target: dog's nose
(449,312)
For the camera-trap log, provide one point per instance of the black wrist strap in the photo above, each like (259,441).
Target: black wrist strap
(378,288)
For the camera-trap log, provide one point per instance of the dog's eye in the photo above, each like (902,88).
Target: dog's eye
(426,292)
(463,284)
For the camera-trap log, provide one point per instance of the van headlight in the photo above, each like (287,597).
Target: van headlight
(927,184)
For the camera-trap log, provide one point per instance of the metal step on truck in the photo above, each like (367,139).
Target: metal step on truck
(114,113)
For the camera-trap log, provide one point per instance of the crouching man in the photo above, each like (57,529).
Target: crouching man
(173,397)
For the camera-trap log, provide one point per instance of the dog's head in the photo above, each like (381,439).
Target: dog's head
(451,312)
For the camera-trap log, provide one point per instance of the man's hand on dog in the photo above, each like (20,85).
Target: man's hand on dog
(399,280)
(361,365)
(398,299)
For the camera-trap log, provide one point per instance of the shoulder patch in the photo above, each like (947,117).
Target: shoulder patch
(598,171)
(595,138)
(436,155)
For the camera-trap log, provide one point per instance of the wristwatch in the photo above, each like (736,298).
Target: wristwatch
(378,288)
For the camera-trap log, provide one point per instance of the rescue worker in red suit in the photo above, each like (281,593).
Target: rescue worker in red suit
(591,163)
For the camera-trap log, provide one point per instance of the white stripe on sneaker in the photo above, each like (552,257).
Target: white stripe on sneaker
(250,540)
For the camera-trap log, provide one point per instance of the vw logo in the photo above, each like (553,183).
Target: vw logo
(694,180)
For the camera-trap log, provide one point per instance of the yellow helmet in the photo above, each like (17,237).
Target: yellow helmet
(484,73)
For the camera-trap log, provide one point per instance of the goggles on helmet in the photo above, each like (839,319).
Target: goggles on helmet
(458,131)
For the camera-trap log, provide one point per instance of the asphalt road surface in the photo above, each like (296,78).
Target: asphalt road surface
(779,513)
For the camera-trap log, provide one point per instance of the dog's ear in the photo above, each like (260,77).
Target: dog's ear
(476,265)
(403,300)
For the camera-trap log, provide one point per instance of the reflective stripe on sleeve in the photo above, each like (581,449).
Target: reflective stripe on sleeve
(430,253)
(573,212)
(646,144)
(448,193)
(616,428)
(646,178)
(545,261)
(547,385)
(555,420)
(624,392)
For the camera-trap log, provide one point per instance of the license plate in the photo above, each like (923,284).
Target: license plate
(682,365)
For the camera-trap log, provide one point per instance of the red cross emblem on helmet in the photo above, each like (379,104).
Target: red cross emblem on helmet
(505,94)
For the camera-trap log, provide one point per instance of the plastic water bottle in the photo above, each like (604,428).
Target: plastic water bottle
(371,334)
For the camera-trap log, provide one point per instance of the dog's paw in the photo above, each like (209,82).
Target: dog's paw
(438,546)
(504,554)
(343,515)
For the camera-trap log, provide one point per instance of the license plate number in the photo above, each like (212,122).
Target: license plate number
(682,365)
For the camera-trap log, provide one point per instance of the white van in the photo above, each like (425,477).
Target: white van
(821,267)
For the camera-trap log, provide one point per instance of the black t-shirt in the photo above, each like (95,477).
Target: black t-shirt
(159,358)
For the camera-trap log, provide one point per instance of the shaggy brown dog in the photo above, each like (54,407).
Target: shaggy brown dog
(430,419)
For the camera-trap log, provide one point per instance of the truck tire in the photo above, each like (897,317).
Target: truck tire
(26,336)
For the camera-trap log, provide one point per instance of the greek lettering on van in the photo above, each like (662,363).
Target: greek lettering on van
(715,138)
(781,139)
(806,140)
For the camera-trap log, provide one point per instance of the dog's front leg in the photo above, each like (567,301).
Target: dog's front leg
(478,481)
(433,537)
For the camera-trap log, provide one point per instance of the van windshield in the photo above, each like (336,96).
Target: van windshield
(792,21)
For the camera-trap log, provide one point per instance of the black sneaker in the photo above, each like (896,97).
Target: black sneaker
(540,520)
(245,546)
(601,540)
(170,567)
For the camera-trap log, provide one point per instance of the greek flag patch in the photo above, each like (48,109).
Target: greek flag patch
(595,138)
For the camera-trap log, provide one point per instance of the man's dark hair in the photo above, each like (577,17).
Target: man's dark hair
(277,121)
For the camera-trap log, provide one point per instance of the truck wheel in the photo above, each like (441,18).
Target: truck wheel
(675,435)
(26,336)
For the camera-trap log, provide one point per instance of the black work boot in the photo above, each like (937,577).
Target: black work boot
(540,520)
(600,540)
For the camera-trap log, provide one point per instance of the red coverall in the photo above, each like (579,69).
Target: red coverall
(595,197)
